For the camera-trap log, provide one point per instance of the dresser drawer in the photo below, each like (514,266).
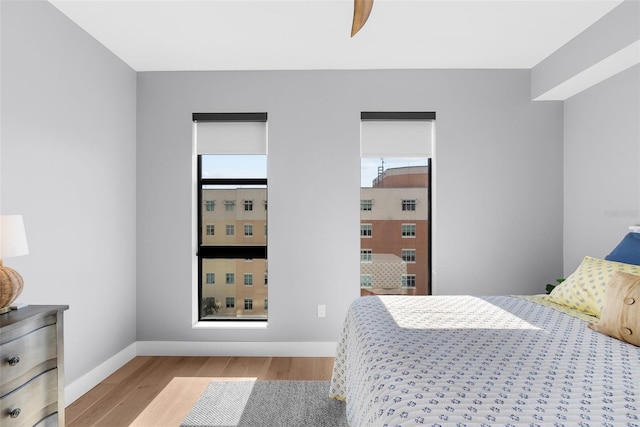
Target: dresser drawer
(32,402)
(26,357)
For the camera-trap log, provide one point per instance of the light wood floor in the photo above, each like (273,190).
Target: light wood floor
(160,391)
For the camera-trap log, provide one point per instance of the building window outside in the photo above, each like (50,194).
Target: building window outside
(366,230)
(408,204)
(366,204)
(231,302)
(211,278)
(230,279)
(266,279)
(248,304)
(366,281)
(248,279)
(229,205)
(408,230)
(366,255)
(248,205)
(210,205)
(230,230)
(409,255)
(408,280)
(248,230)
(211,230)
(266,304)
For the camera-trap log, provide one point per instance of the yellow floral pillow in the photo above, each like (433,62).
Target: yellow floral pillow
(584,288)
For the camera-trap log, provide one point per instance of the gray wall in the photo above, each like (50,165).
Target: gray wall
(601,167)
(68,166)
(498,211)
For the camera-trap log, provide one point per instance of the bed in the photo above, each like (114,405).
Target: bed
(497,360)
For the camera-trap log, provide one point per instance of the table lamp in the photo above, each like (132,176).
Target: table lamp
(13,242)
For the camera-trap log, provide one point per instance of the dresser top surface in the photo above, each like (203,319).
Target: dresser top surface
(17,316)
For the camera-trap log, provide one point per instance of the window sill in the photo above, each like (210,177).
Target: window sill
(230,325)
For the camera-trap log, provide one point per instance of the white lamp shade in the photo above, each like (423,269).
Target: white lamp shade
(13,239)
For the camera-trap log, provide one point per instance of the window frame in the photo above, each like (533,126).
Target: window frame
(411,227)
(408,253)
(405,281)
(224,251)
(366,284)
(409,205)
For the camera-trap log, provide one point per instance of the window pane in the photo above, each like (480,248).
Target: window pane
(224,179)
(394,202)
(244,273)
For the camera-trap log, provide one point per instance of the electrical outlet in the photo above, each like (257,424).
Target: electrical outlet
(322,310)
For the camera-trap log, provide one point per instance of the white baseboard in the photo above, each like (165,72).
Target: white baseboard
(194,348)
(92,378)
(264,349)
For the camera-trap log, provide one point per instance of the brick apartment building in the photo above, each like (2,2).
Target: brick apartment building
(394,233)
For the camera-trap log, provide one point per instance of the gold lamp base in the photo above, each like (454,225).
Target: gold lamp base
(11,285)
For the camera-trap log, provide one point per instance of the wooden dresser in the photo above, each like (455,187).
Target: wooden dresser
(32,366)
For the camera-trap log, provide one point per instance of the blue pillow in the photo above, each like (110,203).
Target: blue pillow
(628,251)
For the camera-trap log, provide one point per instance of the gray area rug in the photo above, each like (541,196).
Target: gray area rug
(266,403)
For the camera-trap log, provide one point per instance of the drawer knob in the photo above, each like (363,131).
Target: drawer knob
(13,362)
(14,413)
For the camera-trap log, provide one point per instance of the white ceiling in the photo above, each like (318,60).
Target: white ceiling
(161,35)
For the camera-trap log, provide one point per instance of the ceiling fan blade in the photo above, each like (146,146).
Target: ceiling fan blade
(361,11)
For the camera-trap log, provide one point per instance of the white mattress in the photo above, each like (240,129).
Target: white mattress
(462,360)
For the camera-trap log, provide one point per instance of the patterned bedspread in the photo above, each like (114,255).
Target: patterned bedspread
(462,360)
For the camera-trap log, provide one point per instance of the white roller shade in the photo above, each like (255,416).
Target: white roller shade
(233,137)
(396,138)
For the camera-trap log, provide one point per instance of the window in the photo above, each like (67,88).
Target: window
(232,170)
(408,205)
(211,278)
(231,302)
(248,304)
(365,280)
(266,304)
(266,279)
(211,230)
(366,205)
(397,176)
(408,280)
(409,255)
(408,230)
